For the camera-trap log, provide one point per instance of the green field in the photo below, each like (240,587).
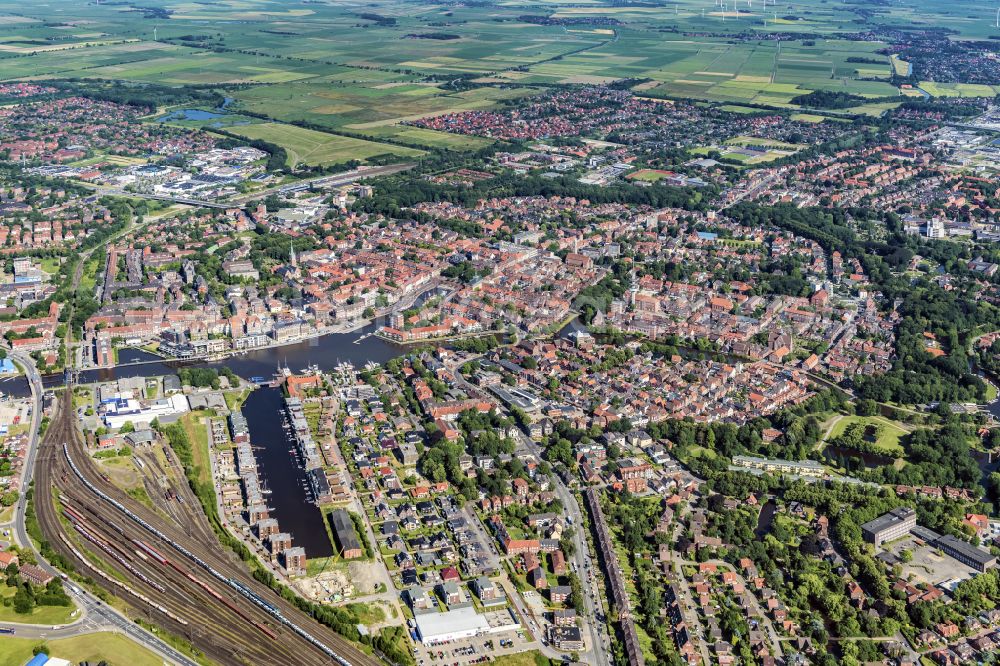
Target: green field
(648,175)
(958,89)
(889,439)
(314,148)
(532,658)
(113,648)
(39,615)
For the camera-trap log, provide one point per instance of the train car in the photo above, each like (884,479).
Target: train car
(151,552)
(73,514)
(253,596)
(266,630)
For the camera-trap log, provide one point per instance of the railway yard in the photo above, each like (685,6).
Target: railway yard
(166,562)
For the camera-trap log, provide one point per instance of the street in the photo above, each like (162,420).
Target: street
(598,643)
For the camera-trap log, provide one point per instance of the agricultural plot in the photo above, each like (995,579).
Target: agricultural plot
(432,138)
(367,68)
(958,89)
(80,61)
(314,148)
(763,72)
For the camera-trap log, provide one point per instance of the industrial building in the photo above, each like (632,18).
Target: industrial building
(437,628)
(123,408)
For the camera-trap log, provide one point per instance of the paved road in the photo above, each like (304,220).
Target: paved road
(583,564)
(757,611)
(597,645)
(686,602)
(94,614)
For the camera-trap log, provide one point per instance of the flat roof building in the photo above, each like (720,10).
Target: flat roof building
(966,553)
(437,628)
(889,526)
(566,637)
(800,467)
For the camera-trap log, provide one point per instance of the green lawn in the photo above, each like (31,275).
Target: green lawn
(532,658)
(889,439)
(38,615)
(113,648)
(991,392)
(367,613)
(50,265)
(197,432)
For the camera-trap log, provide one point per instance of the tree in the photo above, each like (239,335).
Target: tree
(866,407)
(23,601)
(566,542)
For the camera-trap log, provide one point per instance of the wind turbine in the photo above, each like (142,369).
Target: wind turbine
(154,33)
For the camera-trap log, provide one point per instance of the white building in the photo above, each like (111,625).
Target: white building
(437,628)
(120,411)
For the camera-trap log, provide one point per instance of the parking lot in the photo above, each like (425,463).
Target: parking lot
(929,566)
(475,650)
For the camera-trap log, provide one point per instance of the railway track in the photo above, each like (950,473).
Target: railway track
(193,587)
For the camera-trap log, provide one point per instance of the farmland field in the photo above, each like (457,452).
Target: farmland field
(367,69)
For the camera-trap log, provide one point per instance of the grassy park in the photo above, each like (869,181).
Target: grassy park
(889,432)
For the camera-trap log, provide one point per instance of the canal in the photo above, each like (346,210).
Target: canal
(281,472)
